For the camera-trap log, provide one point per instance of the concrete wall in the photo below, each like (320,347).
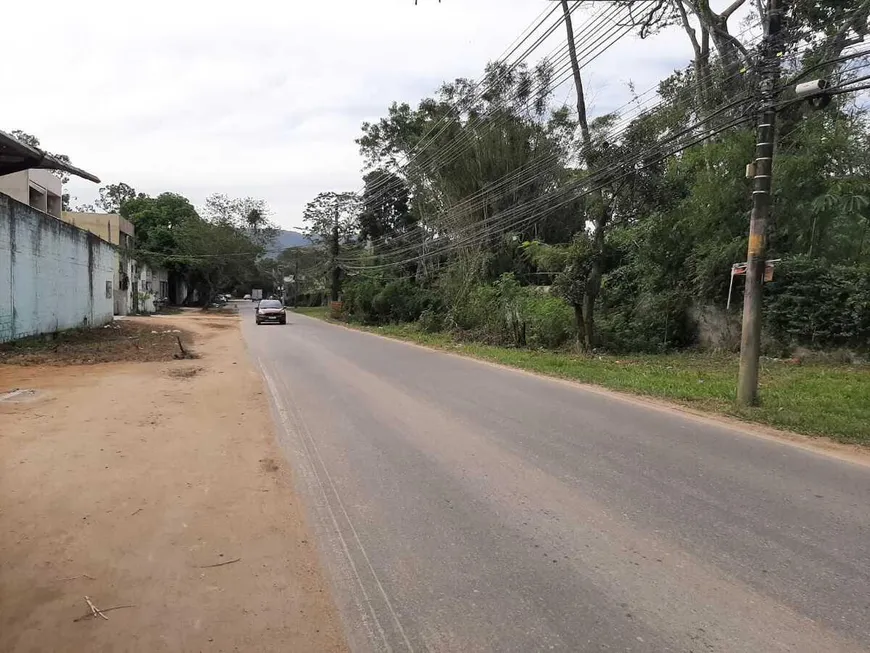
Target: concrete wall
(718,329)
(123,281)
(53,276)
(113,228)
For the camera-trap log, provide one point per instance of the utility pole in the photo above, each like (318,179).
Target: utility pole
(296,282)
(750,340)
(333,252)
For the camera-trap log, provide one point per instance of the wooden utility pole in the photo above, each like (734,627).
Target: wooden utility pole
(750,340)
(296,282)
(333,252)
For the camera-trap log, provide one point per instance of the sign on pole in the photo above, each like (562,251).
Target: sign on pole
(739,270)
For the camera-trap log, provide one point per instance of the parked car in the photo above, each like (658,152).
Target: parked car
(247,297)
(270,310)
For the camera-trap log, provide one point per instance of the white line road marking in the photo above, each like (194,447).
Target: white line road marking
(290,418)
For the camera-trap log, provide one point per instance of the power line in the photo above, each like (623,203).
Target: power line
(504,223)
(418,151)
(517,174)
(457,149)
(520,171)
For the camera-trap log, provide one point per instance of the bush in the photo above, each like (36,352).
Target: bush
(376,301)
(359,294)
(478,314)
(636,312)
(506,313)
(650,323)
(810,303)
(431,321)
(549,320)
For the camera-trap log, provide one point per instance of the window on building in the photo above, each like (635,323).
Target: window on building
(164,289)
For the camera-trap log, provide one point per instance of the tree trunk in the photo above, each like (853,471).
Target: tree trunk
(335,286)
(209,294)
(701,61)
(730,50)
(589,318)
(593,285)
(857,21)
(581,326)
(586,318)
(578,81)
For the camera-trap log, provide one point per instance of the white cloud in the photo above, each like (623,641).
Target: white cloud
(259,97)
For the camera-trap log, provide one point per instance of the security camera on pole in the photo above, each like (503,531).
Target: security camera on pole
(814,92)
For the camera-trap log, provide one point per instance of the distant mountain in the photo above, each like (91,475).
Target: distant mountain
(287,239)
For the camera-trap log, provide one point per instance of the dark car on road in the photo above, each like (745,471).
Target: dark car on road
(270,310)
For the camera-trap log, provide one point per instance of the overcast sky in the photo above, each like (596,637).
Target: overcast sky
(258,98)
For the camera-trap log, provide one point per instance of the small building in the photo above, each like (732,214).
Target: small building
(151,285)
(39,189)
(111,227)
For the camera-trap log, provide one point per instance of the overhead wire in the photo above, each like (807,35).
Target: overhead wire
(627,121)
(438,158)
(658,145)
(457,151)
(750,28)
(504,219)
(511,49)
(513,176)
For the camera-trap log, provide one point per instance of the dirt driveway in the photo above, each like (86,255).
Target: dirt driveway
(158,486)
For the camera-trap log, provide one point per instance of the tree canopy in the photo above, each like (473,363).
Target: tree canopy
(637,215)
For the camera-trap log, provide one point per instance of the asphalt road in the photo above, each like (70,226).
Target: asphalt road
(461,506)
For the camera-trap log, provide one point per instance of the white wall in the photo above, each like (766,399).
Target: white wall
(123,301)
(16,185)
(53,276)
(46,179)
(152,285)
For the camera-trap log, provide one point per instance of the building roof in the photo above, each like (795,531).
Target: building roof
(16,156)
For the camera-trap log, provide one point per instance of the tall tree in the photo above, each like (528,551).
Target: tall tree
(113,196)
(473,157)
(386,211)
(159,222)
(248,213)
(331,221)
(598,209)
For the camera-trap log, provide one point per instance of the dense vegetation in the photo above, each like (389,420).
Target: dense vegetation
(220,251)
(492,211)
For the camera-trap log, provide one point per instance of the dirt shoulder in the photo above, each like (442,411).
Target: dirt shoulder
(156,485)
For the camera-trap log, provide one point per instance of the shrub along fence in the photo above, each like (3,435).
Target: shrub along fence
(809,304)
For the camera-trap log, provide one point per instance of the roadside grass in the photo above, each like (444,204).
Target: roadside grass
(818,399)
(320,312)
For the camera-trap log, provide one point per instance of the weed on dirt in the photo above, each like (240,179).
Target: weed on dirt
(183,372)
(122,340)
